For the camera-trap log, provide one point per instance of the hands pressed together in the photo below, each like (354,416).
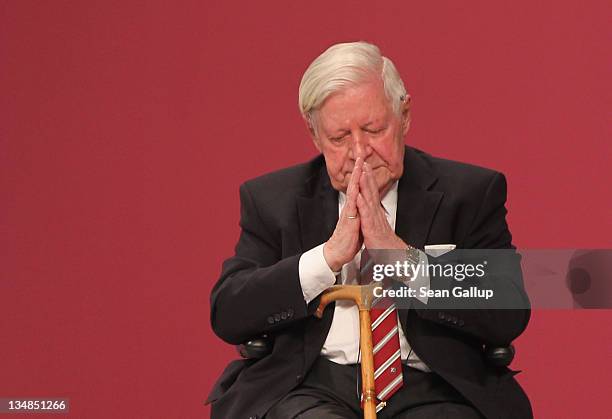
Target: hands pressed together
(362,221)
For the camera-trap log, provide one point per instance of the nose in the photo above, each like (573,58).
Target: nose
(360,146)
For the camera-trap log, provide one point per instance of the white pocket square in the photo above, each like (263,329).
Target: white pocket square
(436,250)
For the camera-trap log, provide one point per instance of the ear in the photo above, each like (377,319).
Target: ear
(405,113)
(311,131)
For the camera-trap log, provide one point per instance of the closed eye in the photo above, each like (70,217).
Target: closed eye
(337,140)
(376,130)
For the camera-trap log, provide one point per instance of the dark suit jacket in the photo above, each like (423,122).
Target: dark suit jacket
(288,212)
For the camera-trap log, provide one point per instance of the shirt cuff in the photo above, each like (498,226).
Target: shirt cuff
(315,275)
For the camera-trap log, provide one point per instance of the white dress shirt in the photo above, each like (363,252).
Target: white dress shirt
(342,343)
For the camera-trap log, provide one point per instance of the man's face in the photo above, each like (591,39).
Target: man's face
(359,122)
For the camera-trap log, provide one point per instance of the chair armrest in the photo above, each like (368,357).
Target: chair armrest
(499,356)
(255,348)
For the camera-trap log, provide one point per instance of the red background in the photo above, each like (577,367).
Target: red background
(127,126)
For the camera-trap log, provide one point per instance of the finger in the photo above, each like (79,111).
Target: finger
(363,207)
(355,176)
(365,186)
(372,187)
(350,208)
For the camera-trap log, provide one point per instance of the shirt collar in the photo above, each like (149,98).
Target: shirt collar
(389,201)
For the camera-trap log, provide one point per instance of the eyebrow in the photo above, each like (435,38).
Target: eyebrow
(340,130)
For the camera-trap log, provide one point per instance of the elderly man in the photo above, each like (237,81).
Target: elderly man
(303,230)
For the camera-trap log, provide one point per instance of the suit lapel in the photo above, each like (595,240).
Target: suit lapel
(317,211)
(415,214)
(318,215)
(416,202)
(416,205)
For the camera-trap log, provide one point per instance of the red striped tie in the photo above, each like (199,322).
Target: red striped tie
(386,345)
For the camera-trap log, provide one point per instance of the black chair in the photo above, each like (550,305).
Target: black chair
(496,356)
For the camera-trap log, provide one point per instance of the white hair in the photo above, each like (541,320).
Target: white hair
(344,65)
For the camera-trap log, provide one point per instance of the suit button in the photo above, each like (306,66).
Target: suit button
(277,317)
(289,312)
(441,316)
(298,378)
(284,315)
(271,320)
(254,417)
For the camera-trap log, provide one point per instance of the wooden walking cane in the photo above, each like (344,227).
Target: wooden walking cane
(362,296)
